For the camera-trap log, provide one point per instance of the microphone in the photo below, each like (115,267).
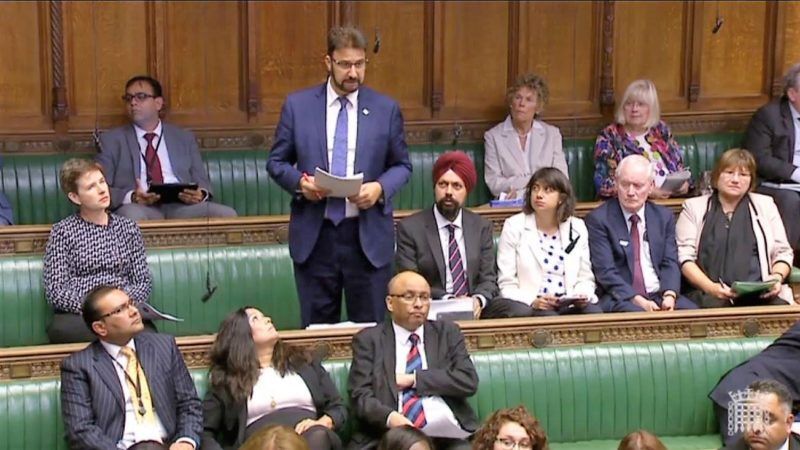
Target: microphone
(210,290)
(377,46)
(457,131)
(98,147)
(717,25)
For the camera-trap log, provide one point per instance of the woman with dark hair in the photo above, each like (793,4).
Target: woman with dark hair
(405,438)
(507,429)
(733,235)
(257,380)
(543,256)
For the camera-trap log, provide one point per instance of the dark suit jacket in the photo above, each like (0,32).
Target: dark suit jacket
(225,420)
(92,401)
(612,262)
(794,444)
(300,146)
(373,385)
(770,137)
(419,249)
(780,362)
(6,214)
(121,158)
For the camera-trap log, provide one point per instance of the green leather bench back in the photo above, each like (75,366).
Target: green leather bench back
(261,276)
(240,179)
(586,397)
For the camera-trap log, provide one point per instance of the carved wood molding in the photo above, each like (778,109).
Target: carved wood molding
(245,230)
(60,110)
(607,59)
(505,334)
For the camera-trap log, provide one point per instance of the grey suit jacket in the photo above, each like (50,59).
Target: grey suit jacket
(92,402)
(419,249)
(121,158)
(505,167)
(373,386)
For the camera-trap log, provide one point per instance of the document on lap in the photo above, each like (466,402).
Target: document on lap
(675,180)
(149,312)
(338,186)
(752,287)
(451,309)
(789,186)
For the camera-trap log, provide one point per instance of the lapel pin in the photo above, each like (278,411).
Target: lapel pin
(365,111)
(623,243)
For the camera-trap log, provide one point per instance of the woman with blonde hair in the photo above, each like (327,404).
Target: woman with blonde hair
(637,130)
(641,440)
(275,437)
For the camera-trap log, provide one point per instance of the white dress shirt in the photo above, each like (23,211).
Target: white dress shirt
(441,422)
(163,157)
(289,391)
(444,240)
(134,431)
(651,282)
(796,158)
(331,116)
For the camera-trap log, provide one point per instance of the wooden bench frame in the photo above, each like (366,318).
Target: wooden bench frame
(43,361)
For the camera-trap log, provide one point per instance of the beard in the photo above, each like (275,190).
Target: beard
(346,84)
(449,211)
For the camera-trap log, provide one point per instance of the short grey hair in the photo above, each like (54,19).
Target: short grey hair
(643,91)
(790,80)
(634,159)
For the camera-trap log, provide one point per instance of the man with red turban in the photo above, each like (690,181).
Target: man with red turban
(450,246)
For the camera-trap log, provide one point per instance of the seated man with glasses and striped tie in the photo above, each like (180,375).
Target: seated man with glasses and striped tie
(148,152)
(632,245)
(127,390)
(411,371)
(452,246)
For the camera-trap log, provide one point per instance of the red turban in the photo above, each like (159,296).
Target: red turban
(458,162)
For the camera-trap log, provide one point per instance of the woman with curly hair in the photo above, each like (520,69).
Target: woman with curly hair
(508,429)
(257,380)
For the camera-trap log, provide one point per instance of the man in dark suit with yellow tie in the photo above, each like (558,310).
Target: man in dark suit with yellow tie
(127,390)
(411,371)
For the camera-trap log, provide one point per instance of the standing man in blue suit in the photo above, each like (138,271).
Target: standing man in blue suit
(345,128)
(127,389)
(632,244)
(6,216)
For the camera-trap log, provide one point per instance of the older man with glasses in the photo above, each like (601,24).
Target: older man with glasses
(411,371)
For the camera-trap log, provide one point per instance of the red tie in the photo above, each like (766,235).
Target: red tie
(638,275)
(151,161)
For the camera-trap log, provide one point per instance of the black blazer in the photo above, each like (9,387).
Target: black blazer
(770,137)
(419,249)
(224,420)
(780,362)
(92,401)
(373,385)
(794,444)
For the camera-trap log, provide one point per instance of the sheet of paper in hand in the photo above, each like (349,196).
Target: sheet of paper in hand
(675,180)
(340,187)
(149,312)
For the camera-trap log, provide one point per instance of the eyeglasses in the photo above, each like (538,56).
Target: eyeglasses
(346,65)
(509,444)
(408,297)
(120,309)
(139,96)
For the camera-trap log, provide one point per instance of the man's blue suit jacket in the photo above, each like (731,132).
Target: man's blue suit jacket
(612,251)
(92,400)
(5,206)
(300,147)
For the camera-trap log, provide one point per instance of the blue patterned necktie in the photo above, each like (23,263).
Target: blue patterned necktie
(412,402)
(336,206)
(456,266)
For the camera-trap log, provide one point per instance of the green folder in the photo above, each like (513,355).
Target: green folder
(752,287)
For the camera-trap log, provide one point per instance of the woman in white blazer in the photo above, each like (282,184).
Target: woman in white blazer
(733,235)
(543,256)
(515,148)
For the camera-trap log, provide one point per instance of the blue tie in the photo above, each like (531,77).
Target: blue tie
(412,403)
(339,161)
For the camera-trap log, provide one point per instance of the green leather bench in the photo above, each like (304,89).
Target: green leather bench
(586,397)
(240,180)
(261,276)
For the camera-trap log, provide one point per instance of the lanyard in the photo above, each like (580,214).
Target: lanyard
(137,384)
(144,154)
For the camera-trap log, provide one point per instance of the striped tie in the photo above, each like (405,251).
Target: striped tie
(456,267)
(412,403)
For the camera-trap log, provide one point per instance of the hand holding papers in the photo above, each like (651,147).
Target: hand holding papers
(675,180)
(752,287)
(337,186)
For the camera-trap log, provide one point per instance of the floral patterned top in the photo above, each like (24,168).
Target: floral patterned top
(614,143)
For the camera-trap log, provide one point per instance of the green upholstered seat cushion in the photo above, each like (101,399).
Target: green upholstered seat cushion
(586,397)
(260,275)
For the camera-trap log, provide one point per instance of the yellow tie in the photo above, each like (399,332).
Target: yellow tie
(137,386)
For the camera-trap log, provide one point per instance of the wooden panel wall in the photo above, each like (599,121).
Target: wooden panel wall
(226,66)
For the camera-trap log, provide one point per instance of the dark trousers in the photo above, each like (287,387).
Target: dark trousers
(788,203)
(611,305)
(503,308)
(338,264)
(67,328)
